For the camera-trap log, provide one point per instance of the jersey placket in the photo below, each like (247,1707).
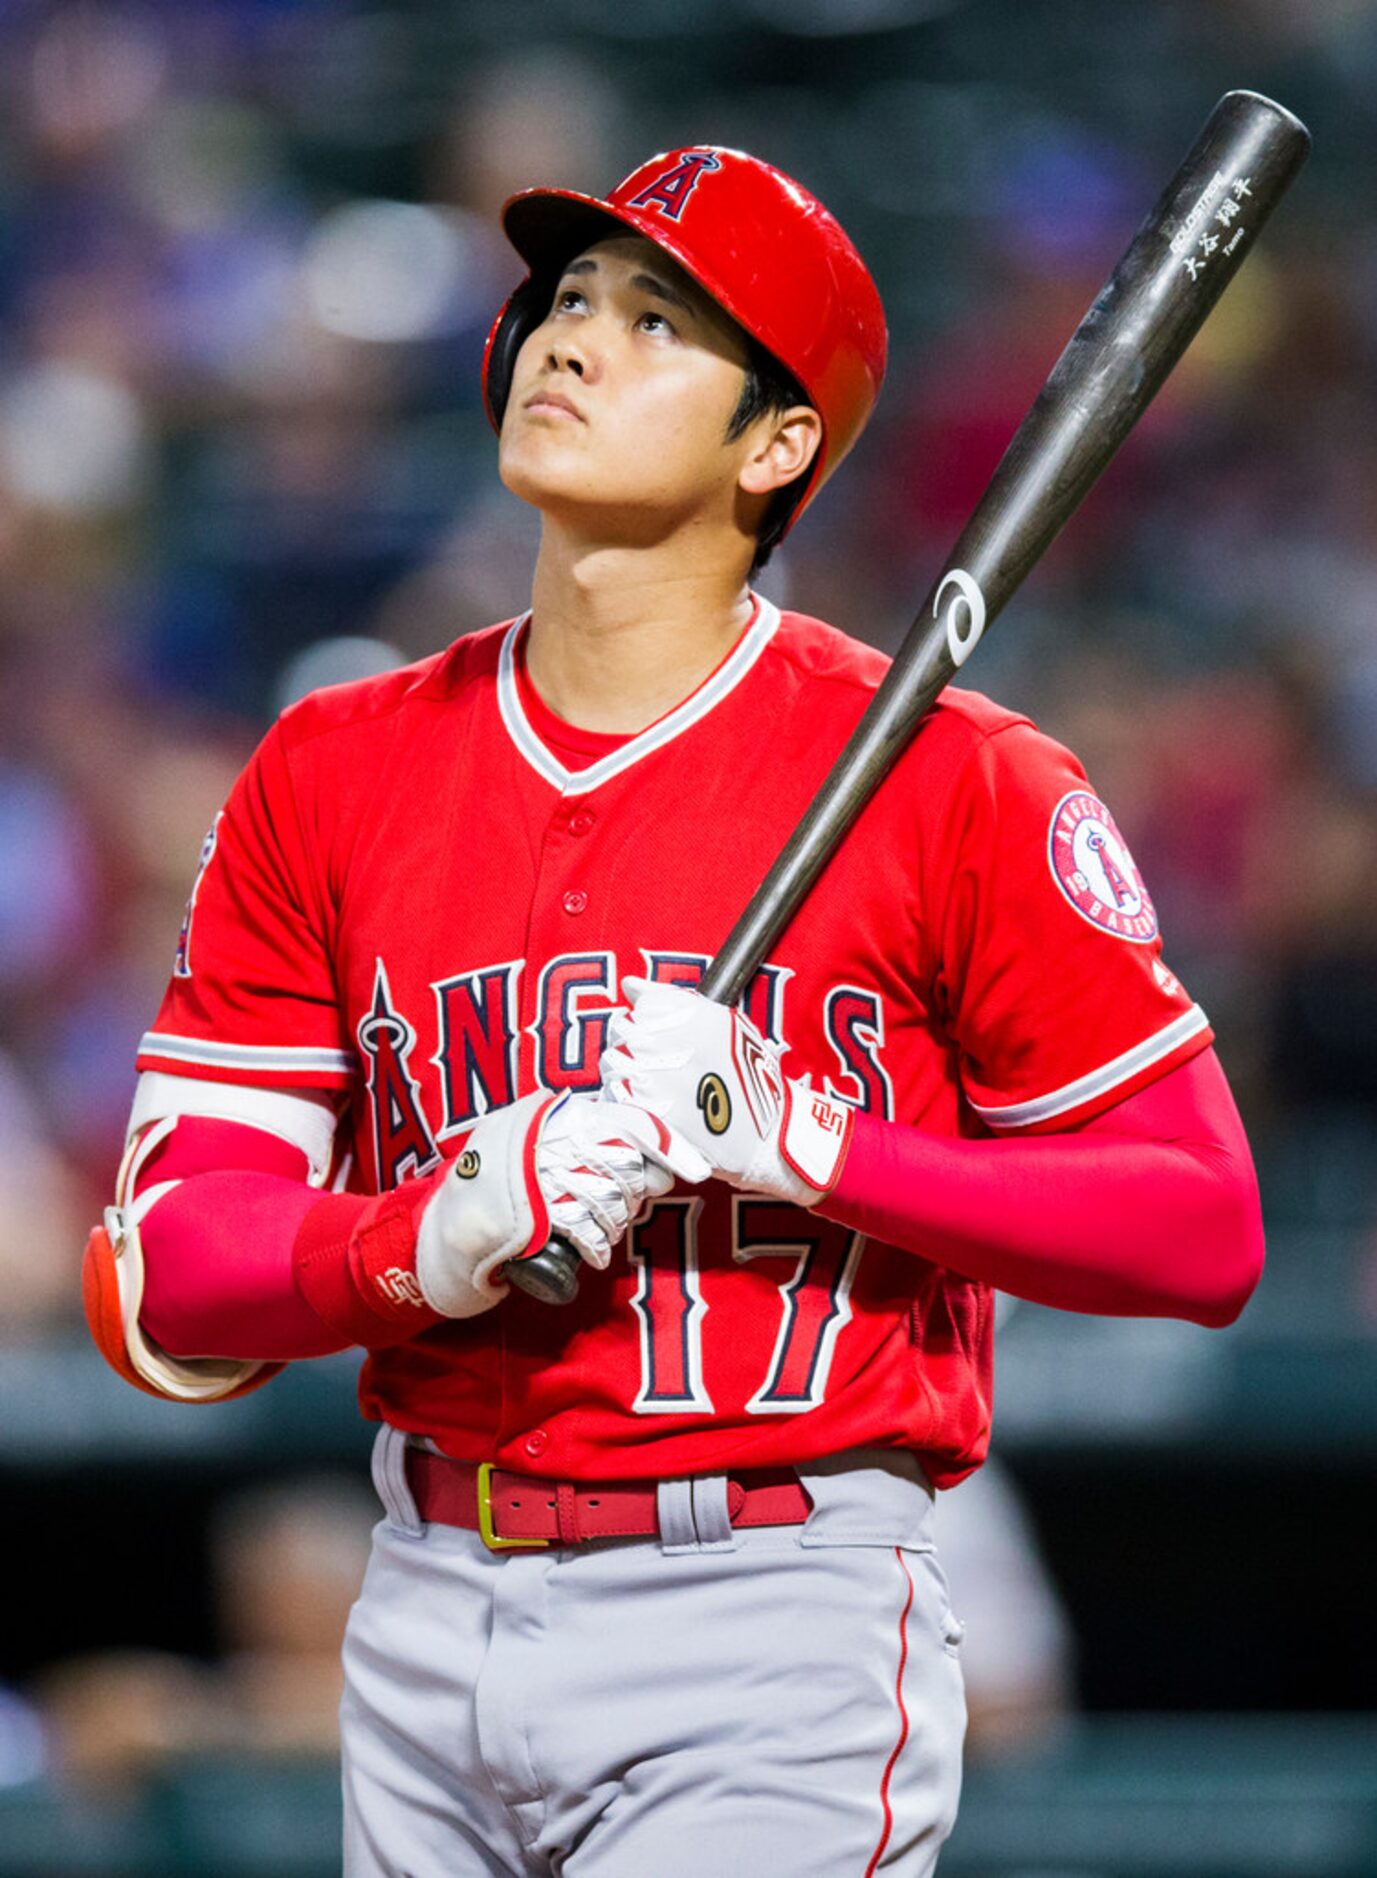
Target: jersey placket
(568,995)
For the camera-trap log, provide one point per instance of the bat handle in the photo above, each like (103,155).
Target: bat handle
(551,1275)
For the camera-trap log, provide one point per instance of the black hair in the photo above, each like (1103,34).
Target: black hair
(770,388)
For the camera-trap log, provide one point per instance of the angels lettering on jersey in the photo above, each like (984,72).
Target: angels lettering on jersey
(980,956)
(479,1038)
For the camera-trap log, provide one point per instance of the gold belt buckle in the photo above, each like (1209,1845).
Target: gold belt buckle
(491,1538)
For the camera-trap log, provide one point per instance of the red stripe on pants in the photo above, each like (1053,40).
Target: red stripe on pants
(888,1826)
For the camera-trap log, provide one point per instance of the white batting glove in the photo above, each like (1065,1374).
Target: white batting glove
(570,1164)
(706,1071)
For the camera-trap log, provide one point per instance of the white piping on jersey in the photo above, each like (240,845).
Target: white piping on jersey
(286,1059)
(683,717)
(1098,1081)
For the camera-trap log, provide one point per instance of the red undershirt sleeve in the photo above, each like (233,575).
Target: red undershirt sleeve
(245,1259)
(245,1264)
(1150,1209)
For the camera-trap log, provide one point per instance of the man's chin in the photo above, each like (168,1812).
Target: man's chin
(546,478)
(566,495)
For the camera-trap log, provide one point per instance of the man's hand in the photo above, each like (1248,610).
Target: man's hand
(706,1071)
(570,1164)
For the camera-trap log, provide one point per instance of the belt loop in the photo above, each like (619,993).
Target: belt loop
(674,1510)
(567,1513)
(393,1487)
(712,1515)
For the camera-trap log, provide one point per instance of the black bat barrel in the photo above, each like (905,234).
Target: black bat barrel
(1182,258)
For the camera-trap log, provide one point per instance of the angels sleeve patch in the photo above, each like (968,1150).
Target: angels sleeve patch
(181,965)
(1091,864)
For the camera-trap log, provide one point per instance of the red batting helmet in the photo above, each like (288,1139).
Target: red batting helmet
(757,241)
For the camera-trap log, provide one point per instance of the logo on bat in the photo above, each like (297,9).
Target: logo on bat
(965,618)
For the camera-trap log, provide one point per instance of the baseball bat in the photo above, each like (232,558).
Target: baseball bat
(1183,256)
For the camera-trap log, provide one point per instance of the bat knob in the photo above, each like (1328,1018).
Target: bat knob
(551,1275)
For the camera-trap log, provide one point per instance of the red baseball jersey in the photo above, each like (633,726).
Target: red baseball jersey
(409,899)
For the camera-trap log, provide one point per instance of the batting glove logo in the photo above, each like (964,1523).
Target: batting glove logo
(399,1287)
(828,1116)
(757,1076)
(714,1104)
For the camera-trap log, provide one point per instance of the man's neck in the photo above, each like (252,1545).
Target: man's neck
(621,635)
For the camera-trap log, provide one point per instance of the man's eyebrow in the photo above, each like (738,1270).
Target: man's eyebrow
(646,283)
(661,290)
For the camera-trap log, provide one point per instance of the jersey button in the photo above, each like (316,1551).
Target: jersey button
(536,1442)
(581,821)
(575,900)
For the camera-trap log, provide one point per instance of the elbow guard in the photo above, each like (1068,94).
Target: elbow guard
(112,1282)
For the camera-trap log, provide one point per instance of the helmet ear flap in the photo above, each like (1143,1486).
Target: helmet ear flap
(523,312)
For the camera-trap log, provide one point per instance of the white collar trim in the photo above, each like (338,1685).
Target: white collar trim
(683,717)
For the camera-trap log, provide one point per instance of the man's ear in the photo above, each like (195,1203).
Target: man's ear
(785,444)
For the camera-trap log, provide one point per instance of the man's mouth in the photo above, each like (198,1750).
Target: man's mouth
(553,401)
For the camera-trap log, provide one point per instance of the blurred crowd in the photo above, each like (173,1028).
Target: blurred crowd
(248,257)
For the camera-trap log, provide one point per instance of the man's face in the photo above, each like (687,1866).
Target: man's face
(622,396)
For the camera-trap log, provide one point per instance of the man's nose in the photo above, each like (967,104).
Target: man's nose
(574,353)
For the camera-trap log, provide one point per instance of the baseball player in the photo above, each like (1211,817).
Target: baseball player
(656,1588)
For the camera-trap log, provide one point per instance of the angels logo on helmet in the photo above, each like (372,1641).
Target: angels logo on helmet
(672,189)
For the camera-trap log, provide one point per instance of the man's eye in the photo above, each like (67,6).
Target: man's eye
(568,298)
(655,323)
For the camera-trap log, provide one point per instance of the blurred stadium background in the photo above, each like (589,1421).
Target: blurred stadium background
(248,257)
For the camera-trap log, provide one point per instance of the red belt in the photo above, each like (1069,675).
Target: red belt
(520,1510)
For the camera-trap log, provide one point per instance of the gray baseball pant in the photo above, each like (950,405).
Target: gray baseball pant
(784,1700)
